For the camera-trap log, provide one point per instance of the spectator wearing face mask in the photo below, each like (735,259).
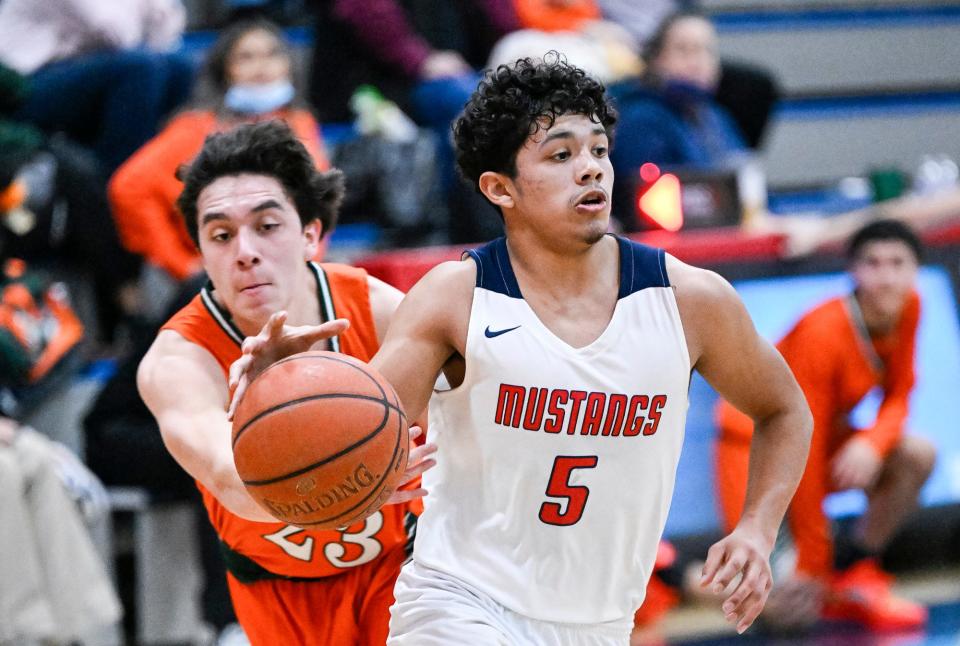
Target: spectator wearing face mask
(104,73)
(247,77)
(670,116)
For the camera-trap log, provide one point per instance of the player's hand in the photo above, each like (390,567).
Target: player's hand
(274,342)
(418,461)
(795,603)
(857,465)
(744,553)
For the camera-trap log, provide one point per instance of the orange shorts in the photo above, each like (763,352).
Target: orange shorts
(352,608)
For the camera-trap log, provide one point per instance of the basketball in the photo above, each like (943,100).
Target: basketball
(320,440)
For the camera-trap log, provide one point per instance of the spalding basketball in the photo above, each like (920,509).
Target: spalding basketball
(320,440)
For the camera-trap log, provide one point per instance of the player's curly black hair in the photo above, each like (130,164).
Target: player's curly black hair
(514,101)
(266,148)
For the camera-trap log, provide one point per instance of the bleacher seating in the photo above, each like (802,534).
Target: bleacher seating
(866,85)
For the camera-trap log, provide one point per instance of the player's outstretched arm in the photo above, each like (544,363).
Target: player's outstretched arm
(428,329)
(746,370)
(277,340)
(183,386)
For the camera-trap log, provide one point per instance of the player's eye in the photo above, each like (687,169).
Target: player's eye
(269,226)
(561,155)
(220,236)
(600,151)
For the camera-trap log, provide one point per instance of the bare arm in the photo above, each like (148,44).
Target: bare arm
(746,370)
(429,328)
(384,301)
(406,332)
(184,388)
(807,234)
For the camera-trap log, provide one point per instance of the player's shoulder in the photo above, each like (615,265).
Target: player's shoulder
(443,298)
(698,287)
(449,279)
(710,310)
(173,359)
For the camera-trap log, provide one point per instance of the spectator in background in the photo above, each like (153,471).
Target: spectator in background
(642,18)
(575,29)
(747,91)
(670,116)
(423,56)
(556,15)
(247,77)
(54,586)
(98,71)
(54,214)
(809,233)
(840,352)
(124,448)
(387,45)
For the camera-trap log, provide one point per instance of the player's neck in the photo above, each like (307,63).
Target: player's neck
(554,269)
(304,308)
(877,321)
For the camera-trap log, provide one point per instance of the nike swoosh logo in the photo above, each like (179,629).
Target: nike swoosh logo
(490,333)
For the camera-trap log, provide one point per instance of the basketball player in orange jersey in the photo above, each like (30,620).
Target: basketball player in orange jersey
(568,353)
(839,352)
(257,207)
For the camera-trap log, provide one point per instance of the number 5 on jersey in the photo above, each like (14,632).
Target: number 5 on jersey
(554,513)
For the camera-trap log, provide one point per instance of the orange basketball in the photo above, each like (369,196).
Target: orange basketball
(320,440)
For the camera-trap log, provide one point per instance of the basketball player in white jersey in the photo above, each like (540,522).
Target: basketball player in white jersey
(568,352)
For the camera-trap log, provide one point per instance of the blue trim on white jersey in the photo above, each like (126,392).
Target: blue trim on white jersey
(494,271)
(640,267)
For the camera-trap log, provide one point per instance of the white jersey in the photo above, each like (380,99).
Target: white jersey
(556,464)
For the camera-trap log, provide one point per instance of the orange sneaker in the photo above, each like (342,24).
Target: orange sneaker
(861,593)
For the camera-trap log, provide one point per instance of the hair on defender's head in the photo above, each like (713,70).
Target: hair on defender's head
(268,148)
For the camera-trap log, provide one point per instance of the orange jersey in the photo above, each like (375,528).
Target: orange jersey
(836,362)
(258,550)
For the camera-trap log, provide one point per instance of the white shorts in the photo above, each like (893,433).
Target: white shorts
(436,609)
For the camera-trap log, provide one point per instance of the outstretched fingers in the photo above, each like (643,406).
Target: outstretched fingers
(275,341)
(418,462)
(237,383)
(306,337)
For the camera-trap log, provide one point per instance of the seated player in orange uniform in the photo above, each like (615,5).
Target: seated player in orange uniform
(840,351)
(257,207)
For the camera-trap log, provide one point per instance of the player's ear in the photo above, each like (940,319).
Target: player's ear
(312,234)
(498,188)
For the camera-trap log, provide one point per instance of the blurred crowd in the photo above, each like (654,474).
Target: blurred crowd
(100,104)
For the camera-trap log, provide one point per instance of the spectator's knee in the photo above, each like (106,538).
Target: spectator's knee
(919,455)
(137,64)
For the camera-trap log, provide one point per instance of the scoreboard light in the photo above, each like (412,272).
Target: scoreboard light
(659,199)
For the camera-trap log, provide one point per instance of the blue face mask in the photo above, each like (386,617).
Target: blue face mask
(259,98)
(684,94)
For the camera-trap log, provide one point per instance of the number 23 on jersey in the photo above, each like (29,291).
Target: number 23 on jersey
(353,548)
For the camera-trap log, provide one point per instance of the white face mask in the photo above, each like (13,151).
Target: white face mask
(259,98)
